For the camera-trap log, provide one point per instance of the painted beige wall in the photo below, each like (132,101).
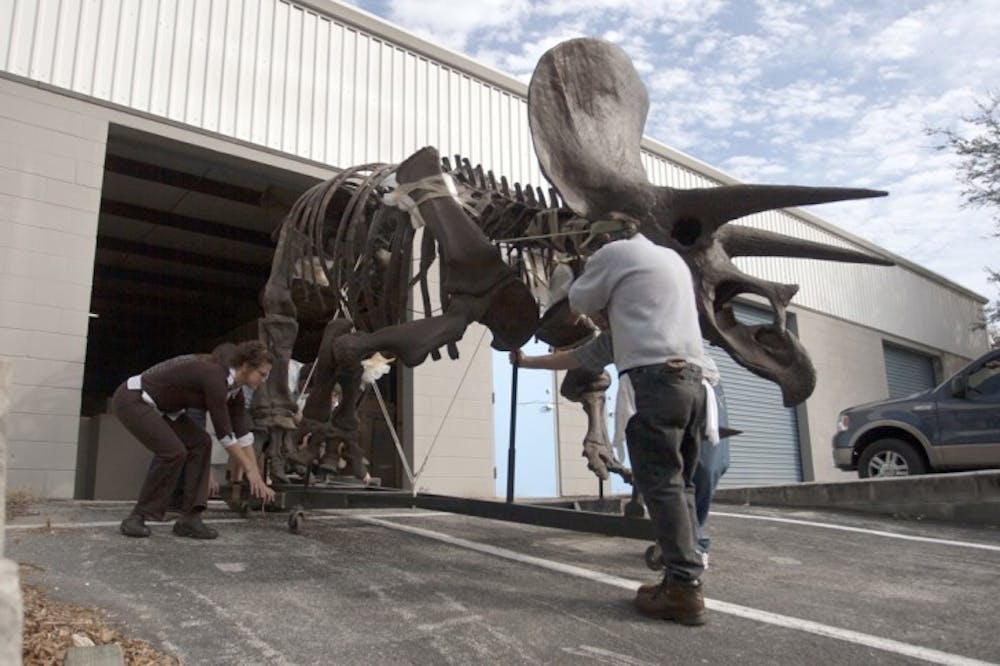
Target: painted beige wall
(850,370)
(453,419)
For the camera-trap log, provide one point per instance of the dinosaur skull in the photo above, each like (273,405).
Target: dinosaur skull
(587,109)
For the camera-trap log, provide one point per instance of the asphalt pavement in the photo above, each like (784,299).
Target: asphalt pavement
(409,586)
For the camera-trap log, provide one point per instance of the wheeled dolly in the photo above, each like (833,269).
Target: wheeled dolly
(296,517)
(654,557)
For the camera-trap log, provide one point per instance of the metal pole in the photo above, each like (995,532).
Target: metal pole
(513,428)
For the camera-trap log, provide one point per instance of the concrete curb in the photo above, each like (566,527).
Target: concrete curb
(11,609)
(964,497)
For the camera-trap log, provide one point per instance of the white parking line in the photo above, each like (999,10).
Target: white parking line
(321,514)
(847,635)
(862,530)
(110,523)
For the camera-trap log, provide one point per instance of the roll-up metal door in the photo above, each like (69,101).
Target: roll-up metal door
(907,372)
(768,450)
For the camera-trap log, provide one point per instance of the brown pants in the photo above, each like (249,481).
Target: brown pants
(176,445)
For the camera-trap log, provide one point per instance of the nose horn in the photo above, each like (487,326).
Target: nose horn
(714,206)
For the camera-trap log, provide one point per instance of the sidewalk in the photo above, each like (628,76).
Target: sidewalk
(961,497)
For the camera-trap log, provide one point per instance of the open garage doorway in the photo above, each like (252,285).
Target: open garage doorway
(184,248)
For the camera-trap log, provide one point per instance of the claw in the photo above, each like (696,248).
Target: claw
(597,455)
(601,461)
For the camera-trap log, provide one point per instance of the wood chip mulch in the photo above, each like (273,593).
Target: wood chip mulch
(50,625)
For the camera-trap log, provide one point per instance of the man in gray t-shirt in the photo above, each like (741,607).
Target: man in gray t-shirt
(648,295)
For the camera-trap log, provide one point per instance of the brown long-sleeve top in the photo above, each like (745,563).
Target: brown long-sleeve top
(197,382)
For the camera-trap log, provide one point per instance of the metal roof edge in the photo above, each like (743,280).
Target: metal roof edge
(379,27)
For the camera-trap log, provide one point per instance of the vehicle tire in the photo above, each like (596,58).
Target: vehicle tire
(890,457)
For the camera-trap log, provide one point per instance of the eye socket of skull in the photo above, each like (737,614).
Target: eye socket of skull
(687,231)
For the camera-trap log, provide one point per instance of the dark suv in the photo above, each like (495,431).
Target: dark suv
(955,426)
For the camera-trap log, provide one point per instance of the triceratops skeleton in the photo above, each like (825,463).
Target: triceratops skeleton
(587,109)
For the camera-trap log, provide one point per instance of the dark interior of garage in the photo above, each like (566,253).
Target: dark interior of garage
(184,248)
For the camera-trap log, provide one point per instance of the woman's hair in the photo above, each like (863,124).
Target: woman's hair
(252,352)
(223,354)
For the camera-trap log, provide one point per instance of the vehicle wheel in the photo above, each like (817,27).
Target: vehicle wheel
(890,457)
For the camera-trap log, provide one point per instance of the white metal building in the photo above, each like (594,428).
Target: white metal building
(147,148)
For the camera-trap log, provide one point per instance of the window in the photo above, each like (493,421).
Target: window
(985,380)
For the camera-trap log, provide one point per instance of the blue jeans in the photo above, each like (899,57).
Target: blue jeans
(712,464)
(663,442)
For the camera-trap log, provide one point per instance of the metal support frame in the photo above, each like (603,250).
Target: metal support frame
(560,517)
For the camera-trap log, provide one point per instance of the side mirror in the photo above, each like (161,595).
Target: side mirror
(959,386)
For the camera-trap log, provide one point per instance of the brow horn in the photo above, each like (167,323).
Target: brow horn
(739,241)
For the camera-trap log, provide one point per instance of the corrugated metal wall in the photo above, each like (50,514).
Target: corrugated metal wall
(767,451)
(270,73)
(275,74)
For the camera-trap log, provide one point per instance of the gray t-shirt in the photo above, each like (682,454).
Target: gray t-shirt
(649,297)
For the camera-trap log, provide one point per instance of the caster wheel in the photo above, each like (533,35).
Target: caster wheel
(653,557)
(295,520)
(244,509)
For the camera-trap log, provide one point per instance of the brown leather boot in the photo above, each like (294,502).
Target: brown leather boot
(680,601)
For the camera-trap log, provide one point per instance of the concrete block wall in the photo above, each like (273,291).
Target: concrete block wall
(850,369)
(51,171)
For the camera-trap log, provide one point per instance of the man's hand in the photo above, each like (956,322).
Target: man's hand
(213,485)
(516,357)
(600,319)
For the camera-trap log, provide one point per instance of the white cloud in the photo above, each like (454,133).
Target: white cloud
(899,41)
(452,23)
(748,168)
(816,92)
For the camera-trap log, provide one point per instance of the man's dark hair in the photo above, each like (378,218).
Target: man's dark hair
(609,231)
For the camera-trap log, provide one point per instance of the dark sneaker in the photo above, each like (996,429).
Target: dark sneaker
(680,601)
(135,526)
(193,527)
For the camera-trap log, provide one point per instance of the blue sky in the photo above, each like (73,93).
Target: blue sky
(808,92)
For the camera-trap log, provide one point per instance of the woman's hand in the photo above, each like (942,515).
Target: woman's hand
(259,489)
(213,485)
(516,357)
